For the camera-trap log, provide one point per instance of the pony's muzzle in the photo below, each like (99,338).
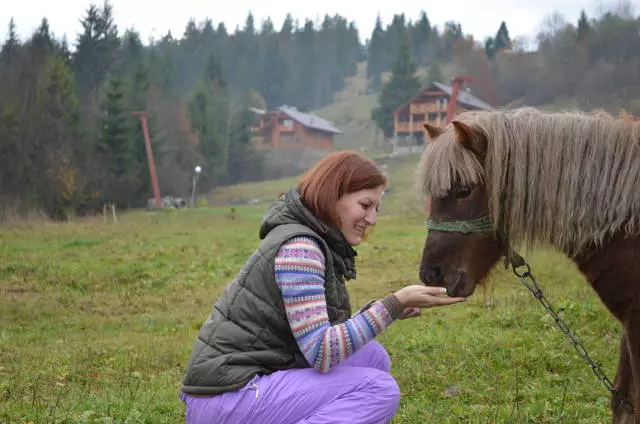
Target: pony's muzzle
(433,275)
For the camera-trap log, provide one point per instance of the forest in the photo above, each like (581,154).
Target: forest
(69,140)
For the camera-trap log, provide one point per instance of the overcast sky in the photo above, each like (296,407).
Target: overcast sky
(481,18)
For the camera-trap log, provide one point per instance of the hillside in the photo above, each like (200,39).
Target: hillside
(351,112)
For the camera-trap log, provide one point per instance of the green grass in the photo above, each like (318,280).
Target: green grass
(266,191)
(98,321)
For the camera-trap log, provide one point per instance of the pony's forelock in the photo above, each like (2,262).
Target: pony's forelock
(445,163)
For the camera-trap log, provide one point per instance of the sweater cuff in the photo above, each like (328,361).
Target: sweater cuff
(393,305)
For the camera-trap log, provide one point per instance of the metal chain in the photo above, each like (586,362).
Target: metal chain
(529,281)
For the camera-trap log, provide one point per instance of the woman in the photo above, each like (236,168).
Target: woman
(280,345)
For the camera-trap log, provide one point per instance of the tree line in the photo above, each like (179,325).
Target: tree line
(69,139)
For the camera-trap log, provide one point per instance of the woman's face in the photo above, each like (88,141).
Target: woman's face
(357,211)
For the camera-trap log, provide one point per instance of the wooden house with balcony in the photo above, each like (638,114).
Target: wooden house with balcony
(430,105)
(287,128)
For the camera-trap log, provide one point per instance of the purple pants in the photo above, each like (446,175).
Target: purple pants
(357,391)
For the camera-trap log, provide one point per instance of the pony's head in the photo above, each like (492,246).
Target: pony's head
(461,247)
(524,177)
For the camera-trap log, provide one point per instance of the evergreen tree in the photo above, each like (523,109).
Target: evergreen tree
(96,48)
(502,39)
(421,39)
(402,85)
(243,162)
(376,62)
(209,112)
(583,27)
(114,140)
(11,44)
(42,40)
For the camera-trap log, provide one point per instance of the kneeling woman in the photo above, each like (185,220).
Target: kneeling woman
(280,345)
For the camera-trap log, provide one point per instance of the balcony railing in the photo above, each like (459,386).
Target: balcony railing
(406,127)
(424,108)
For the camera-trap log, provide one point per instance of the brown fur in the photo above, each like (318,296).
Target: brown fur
(571,179)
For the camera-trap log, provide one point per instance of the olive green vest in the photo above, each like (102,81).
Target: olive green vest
(247,332)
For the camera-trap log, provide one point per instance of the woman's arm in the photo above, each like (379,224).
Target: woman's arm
(300,272)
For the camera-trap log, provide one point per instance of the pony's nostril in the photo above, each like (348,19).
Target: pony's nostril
(435,274)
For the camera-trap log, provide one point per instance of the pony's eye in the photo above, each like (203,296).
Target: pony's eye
(462,193)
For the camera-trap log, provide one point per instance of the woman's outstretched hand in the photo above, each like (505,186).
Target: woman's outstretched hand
(420,296)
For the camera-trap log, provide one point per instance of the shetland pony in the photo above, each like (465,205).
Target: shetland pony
(525,177)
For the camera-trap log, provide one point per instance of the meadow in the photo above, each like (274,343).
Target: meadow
(97,319)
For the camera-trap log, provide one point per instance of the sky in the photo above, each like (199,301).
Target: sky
(480,18)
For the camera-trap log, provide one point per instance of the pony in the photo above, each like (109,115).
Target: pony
(526,177)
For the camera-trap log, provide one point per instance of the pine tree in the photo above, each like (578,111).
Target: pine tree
(402,85)
(11,45)
(42,39)
(502,39)
(421,39)
(583,27)
(96,48)
(114,139)
(376,62)
(209,112)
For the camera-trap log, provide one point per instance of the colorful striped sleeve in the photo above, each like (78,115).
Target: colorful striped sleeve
(299,272)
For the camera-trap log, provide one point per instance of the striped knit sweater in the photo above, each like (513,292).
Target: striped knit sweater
(299,272)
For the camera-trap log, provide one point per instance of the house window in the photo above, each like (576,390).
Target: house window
(288,123)
(286,138)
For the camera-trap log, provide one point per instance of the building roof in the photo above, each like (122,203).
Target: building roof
(310,121)
(257,111)
(464,97)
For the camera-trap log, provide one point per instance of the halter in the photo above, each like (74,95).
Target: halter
(477,225)
(480,225)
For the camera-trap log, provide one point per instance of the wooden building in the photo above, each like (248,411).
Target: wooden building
(430,105)
(287,128)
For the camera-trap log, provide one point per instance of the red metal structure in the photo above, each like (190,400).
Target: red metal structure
(152,166)
(456,86)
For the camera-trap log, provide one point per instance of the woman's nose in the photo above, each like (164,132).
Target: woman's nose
(371,217)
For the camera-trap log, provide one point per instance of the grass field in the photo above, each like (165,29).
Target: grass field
(98,321)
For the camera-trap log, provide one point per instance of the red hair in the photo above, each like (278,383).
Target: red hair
(334,176)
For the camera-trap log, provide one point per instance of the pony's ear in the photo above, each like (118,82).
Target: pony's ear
(470,138)
(432,130)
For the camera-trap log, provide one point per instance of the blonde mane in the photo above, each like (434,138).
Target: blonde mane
(571,179)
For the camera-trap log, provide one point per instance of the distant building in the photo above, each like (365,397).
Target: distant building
(430,105)
(287,128)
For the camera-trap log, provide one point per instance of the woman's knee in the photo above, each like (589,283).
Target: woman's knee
(386,391)
(380,359)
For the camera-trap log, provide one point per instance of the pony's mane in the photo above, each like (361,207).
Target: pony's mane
(570,178)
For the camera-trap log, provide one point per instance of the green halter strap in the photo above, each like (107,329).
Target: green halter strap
(477,225)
